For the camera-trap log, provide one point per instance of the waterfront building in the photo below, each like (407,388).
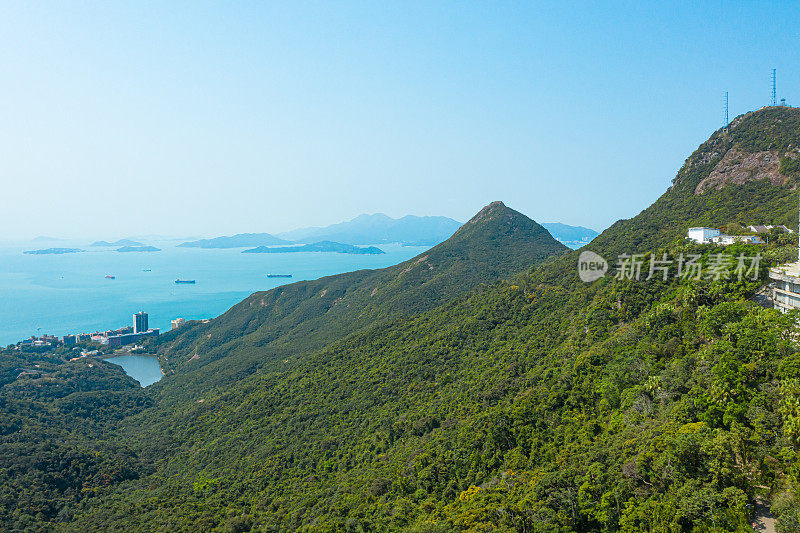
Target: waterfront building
(178,322)
(140,322)
(115,341)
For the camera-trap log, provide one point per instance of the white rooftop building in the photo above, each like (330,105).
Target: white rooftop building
(702,235)
(725,240)
(707,235)
(767,228)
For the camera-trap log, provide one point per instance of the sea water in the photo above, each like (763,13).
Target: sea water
(68,293)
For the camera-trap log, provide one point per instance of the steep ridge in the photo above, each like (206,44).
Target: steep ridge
(537,404)
(272,325)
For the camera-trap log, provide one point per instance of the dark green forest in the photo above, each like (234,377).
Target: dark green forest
(478,387)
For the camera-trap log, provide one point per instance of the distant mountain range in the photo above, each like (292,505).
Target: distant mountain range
(570,235)
(323,246)
(409,230)
(117,244)
(240,240)
(378,228)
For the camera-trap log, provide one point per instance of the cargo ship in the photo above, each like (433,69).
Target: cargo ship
(184,281)
(109,276)
(279,275)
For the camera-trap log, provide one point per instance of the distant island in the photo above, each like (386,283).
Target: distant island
(121,242)
(324,246)
(240,240)
(378,228)
(138,249)
(52,251)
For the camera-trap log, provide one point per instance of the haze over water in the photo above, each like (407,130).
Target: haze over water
(60,294)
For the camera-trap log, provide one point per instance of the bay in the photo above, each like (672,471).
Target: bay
(143,368)
(68,293)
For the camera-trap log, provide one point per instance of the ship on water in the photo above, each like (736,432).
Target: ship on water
(279,275)
(109,276)
(184,281)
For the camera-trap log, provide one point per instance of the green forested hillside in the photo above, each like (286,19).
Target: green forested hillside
(540,403)
(505,411)
(57,440)
(277,324)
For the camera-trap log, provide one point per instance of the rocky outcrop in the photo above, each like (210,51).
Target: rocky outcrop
(737,168)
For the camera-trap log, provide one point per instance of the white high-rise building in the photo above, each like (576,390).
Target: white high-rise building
(140,322)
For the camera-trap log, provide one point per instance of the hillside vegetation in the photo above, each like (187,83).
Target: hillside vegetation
(432,397)
(57,441)
(274,325)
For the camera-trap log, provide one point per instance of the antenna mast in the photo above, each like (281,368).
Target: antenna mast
(725,106)
(774,95)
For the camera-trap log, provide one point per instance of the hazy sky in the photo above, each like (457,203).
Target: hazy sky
(209,118)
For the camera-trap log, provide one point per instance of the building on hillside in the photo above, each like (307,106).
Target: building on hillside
(785,286)
(725,240)
(178,322)
(702,235)
(69,339)
(758,228)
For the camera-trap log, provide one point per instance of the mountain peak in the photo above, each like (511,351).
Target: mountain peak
(747,174)
(382,217)
(493,212)
(493,208)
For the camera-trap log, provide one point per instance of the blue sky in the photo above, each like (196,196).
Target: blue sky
(194,118)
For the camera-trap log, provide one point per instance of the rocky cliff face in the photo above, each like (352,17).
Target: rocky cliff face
(738,167)
(760,145)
